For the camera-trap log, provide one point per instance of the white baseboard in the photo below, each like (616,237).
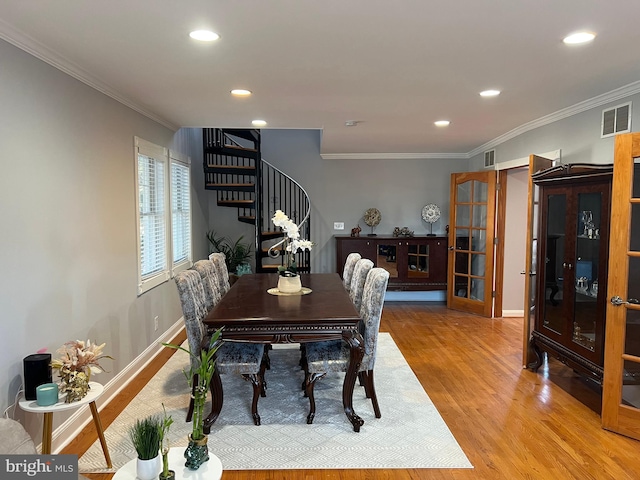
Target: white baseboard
(70,429)
(513,313)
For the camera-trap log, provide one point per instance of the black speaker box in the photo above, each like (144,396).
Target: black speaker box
(37,371)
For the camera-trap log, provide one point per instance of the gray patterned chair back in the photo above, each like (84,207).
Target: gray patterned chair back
(349,265)
(218,260)
(358,279)
(194,309)
(210,282)
(375,288)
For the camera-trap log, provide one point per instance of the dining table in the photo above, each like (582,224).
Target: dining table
(254,311)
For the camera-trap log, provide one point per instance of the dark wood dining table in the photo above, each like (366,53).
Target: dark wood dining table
(248,313)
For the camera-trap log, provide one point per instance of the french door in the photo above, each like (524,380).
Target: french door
(471,247)
(621,385)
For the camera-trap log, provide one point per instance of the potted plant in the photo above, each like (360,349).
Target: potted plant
(166,474)
(236,253)
(145,435)
(289,280)
(198,378)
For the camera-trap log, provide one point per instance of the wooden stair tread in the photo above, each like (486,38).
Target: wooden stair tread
(231,167)
(232,185)
(238,147)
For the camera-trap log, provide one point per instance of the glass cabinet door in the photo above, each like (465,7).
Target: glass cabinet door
(417,261)
(587,259)
(553,264)
(387,258)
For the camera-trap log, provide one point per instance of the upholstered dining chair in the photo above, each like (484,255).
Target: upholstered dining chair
(347,271)
(245,359)
(210,282)
(333,356)
(360,272)
(220,264)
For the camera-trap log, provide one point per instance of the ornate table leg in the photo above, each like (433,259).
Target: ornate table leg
(356,344)
(215,386)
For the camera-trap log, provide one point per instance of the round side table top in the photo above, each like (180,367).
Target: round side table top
(210,470)
(96,389)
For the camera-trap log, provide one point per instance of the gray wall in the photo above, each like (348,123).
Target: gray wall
(341,190)
(68,242)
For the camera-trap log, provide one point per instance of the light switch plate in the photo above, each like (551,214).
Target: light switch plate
(338,225)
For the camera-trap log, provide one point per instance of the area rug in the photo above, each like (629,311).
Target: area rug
(410,434)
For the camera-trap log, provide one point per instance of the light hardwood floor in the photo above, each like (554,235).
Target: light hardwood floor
(511,423)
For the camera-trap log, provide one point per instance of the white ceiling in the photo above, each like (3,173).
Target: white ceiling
(396,67)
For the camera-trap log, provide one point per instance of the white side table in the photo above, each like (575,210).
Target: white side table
(210,470)
(94,393)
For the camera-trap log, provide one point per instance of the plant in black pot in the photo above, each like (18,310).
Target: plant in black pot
(145,435)
(236,253)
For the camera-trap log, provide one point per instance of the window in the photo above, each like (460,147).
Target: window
(163,214)
(180,212)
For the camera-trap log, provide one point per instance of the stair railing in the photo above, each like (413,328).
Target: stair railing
(276,188)
(282,190)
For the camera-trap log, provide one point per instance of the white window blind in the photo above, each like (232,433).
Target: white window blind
(152,217)
(180,211)
(153,232)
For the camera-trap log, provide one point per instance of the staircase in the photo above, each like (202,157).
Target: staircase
(242,179)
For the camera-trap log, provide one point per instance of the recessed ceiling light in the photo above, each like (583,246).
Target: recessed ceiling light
(240,92)
(259,123)
(579,37)
(489,93)
(442,123)
(204,35)
(351,123)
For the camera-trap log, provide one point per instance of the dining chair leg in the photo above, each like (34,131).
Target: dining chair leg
(310,382)
(256,382)
(361,380)
(371,393)
(264,366)
(194,382)
(217,397)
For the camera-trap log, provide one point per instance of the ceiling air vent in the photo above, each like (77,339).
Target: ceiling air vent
(616,120)
(489,159)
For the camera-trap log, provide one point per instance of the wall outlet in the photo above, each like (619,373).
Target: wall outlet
(155,323)
(338,225)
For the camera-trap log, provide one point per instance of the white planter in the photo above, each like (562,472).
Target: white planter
(149,469)
(289,284)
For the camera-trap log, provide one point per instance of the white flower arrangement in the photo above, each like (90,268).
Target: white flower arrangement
(293,243)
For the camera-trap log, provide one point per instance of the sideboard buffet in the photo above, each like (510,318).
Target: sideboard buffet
(414,263)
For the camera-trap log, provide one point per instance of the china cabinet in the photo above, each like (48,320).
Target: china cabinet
(413,263)
(572,266)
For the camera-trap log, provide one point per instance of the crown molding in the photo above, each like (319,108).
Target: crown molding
(42,52)
(603,99)
(392,156)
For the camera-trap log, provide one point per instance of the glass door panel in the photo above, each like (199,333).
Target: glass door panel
(418,261)
(386,258)
(553,308)
(586,269)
